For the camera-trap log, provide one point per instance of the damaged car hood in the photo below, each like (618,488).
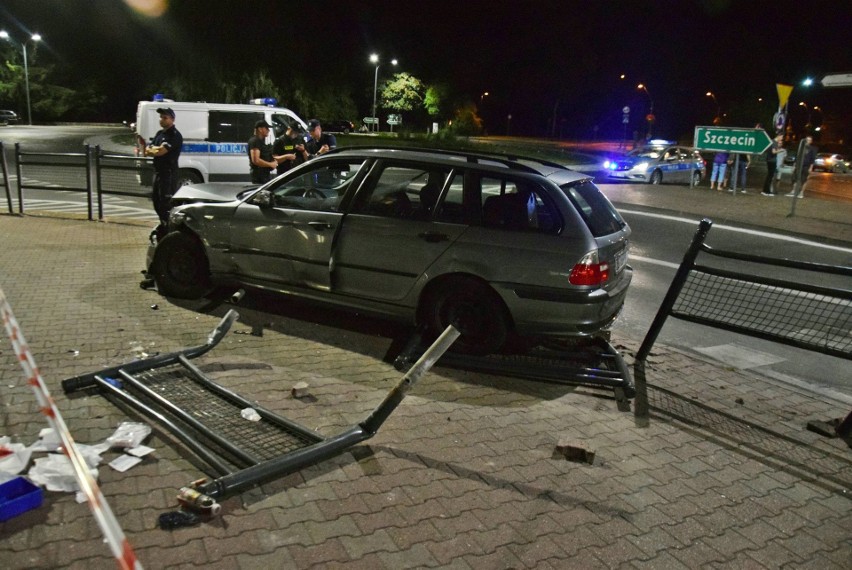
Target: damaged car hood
(212,192)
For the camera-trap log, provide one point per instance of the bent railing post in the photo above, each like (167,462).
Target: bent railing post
(675,288)
(642,411)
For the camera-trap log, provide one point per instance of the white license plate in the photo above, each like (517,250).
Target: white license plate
(620,260)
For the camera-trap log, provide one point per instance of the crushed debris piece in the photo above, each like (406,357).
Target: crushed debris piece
(300,390)
(574,451)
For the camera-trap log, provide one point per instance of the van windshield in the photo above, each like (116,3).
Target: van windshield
(280,124)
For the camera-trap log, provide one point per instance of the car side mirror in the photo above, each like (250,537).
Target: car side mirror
(263,199)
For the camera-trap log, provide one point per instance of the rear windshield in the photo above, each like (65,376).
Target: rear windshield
(596,210)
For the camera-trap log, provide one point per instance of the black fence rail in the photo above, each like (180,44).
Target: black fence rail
(793,312)
(91,172)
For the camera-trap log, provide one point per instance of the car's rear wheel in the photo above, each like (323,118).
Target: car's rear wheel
(473,308)
(656,177)
(696,177)
(180,267)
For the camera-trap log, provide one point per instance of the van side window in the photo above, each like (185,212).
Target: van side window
(231,126)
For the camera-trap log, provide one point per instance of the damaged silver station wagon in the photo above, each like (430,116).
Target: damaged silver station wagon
(496,245)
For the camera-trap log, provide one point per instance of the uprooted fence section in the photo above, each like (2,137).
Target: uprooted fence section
(791,311)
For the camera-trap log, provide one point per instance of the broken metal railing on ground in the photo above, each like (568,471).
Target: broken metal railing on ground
(594,363)
(798,314)
(206,417)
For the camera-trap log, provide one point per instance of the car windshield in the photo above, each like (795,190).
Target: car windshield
(598,213)
(645,153)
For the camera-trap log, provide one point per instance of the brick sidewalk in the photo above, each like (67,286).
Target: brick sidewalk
(461,476)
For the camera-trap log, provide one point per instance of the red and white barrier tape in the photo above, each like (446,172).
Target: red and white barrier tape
(112,532)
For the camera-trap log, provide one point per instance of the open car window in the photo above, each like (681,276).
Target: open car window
(321,188)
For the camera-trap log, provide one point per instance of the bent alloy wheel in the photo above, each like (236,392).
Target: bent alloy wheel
(180,267)
(474,309)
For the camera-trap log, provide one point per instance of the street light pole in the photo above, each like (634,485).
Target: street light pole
(374,58)
(35,37)
(651,112)
(718,118)
(808,109)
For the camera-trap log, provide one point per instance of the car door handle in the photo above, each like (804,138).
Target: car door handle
(320,226)
(433,237)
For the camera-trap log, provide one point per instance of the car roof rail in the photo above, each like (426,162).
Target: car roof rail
(505,159)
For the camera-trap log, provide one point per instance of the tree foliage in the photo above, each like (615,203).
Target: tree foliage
(403,92)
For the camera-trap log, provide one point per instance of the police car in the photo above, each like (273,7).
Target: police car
(215,135)
(657,163)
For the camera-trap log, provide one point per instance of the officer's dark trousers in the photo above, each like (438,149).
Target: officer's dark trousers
(165,186)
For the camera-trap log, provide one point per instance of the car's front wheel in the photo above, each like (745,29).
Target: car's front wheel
(656,177)
(180,267)
(473,308)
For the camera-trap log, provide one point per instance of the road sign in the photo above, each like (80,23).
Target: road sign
(743,141)
(394,119)
(371,120)
(837,80)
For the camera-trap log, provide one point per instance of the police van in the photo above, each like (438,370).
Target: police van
(215,135)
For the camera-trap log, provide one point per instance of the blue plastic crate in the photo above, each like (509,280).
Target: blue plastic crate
(18,496)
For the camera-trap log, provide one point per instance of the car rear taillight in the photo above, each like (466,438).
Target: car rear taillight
(589,271)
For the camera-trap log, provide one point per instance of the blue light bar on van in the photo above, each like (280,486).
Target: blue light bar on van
(158,97)
(268,101)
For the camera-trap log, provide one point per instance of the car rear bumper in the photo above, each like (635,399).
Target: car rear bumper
(552,312)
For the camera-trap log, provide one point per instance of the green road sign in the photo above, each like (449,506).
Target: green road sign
(744,141)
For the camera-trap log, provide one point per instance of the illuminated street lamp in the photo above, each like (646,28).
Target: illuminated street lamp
(374,58)
(650,116)
(717,119)
(808,109)
(483,96)
(808,82)
(35,38)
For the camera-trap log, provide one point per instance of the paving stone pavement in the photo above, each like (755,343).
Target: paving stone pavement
(462,475)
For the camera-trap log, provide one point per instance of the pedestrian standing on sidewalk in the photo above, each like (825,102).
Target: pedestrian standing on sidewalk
(808,157)
(771,164)
(717,175)
(779,161)
(165,148)
(738,167)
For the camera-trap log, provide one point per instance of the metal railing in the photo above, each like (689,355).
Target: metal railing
(91,172)
(795,313)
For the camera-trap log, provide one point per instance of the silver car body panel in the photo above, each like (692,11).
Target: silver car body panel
(383,265)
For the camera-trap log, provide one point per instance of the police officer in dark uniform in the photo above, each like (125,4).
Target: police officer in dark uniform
(165,148)
(289,149)
(320,142)
(261,162)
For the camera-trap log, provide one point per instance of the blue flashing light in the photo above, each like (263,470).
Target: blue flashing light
(267,101)
(158,97)
(607,164)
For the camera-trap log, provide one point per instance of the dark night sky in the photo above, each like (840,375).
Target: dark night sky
(527,54)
